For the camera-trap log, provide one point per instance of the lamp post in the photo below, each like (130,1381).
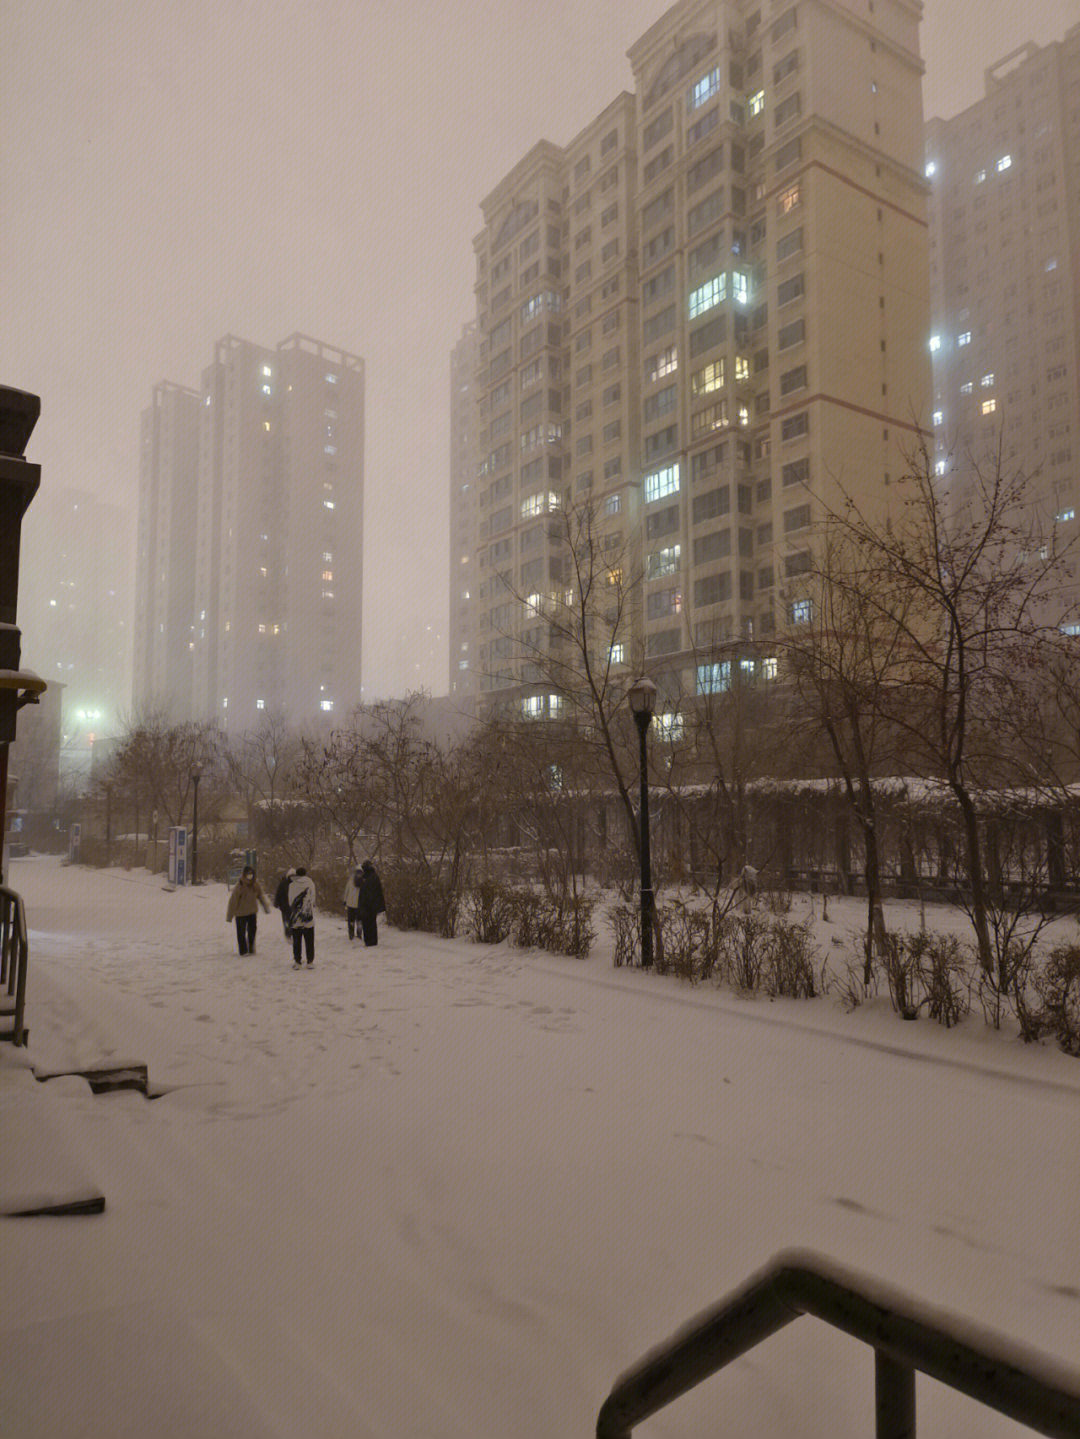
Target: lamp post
(642,699)
(108,823)
(196,776)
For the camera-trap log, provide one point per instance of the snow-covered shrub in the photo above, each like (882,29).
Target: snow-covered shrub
(789,965)
(626,930)
(489,912)
(943,965)
(683,930)
(901,965)
(573,931)
(745,946)
(416,898)
(1058,987)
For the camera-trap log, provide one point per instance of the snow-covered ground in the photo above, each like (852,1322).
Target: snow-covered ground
(436,1190)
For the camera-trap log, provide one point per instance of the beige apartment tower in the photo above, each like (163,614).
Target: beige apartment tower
(1005,282)
(705,318)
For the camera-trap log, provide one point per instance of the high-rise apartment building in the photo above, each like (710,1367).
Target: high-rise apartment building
(707,318)
(273,545)
(164,572)
(463,512)
(1005,281)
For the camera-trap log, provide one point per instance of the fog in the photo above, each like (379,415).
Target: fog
(175,172)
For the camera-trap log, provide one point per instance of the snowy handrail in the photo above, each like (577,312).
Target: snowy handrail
(14,958)
(906,1334)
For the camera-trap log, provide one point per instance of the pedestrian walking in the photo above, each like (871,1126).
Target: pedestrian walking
(243,907)
(281,902)
(351,902)
(301,915)
(369,902)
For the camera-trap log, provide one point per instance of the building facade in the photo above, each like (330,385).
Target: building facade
(1005,282)
(701,322)
(164,573)
(463,513)
(273,555)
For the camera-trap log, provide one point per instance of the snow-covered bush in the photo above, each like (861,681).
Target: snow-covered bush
(1058,987)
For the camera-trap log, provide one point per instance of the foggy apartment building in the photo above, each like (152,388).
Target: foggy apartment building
(464,450)
(165,546)
(1005,288)
(709,315)
(77,600)
(273,557)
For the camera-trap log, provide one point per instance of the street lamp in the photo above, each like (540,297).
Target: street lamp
(108,823)
(196,776)
(642,699)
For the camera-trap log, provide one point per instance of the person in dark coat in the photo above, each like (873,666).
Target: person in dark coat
(369,902)
(244,902)
(281,902)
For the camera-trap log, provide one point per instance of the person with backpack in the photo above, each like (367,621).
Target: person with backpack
(369,902)
(301,915)
(244,901)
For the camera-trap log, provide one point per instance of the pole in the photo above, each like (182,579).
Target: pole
(195,832)
(108,825)
(643,720)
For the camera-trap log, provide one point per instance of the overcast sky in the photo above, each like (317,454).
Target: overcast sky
(178,170)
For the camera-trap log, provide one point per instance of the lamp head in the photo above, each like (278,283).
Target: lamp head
(642,696)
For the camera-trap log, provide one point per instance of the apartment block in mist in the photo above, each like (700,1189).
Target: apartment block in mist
(268,615)
(463,512)
(704,318)
(1005,282)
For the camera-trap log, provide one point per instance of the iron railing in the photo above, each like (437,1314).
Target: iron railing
(906,1336)
(14,957)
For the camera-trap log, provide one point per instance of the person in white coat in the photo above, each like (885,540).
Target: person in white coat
(351,901)
(302,915)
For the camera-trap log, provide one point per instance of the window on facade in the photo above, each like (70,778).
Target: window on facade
(790,290)
(789,245)
(661,483)
(796,519)
(792,380)
(707,296)
(713,678)
(663,562)
(709,378)
(795,426)
(702,91)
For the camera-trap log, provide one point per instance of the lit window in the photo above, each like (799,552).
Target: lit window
(661,483)
(788,199)
(613,504)
(742,367)
(267,371)
(966,388)
(740,286)
(938,417)
(664,562)
(714,678)
(1072,629)
(707,296)
(1051,264)
(225,703)
(769,668)
(989,406)
(262,629)
(987,380)
(1065,516)
(331,379)
(618,654)
(329,449)
(328,504)
(964,339)
(1003,163)
(260,704)
(326,704)
(931,165)
(704,89)
(539,504)
(327,556)
(940,467)
(328,575)
(266,390)
(980,177)
(665,363)
(532,706)
(709,378)
(935,343)
(802,612)
(669,725)
(756,102)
